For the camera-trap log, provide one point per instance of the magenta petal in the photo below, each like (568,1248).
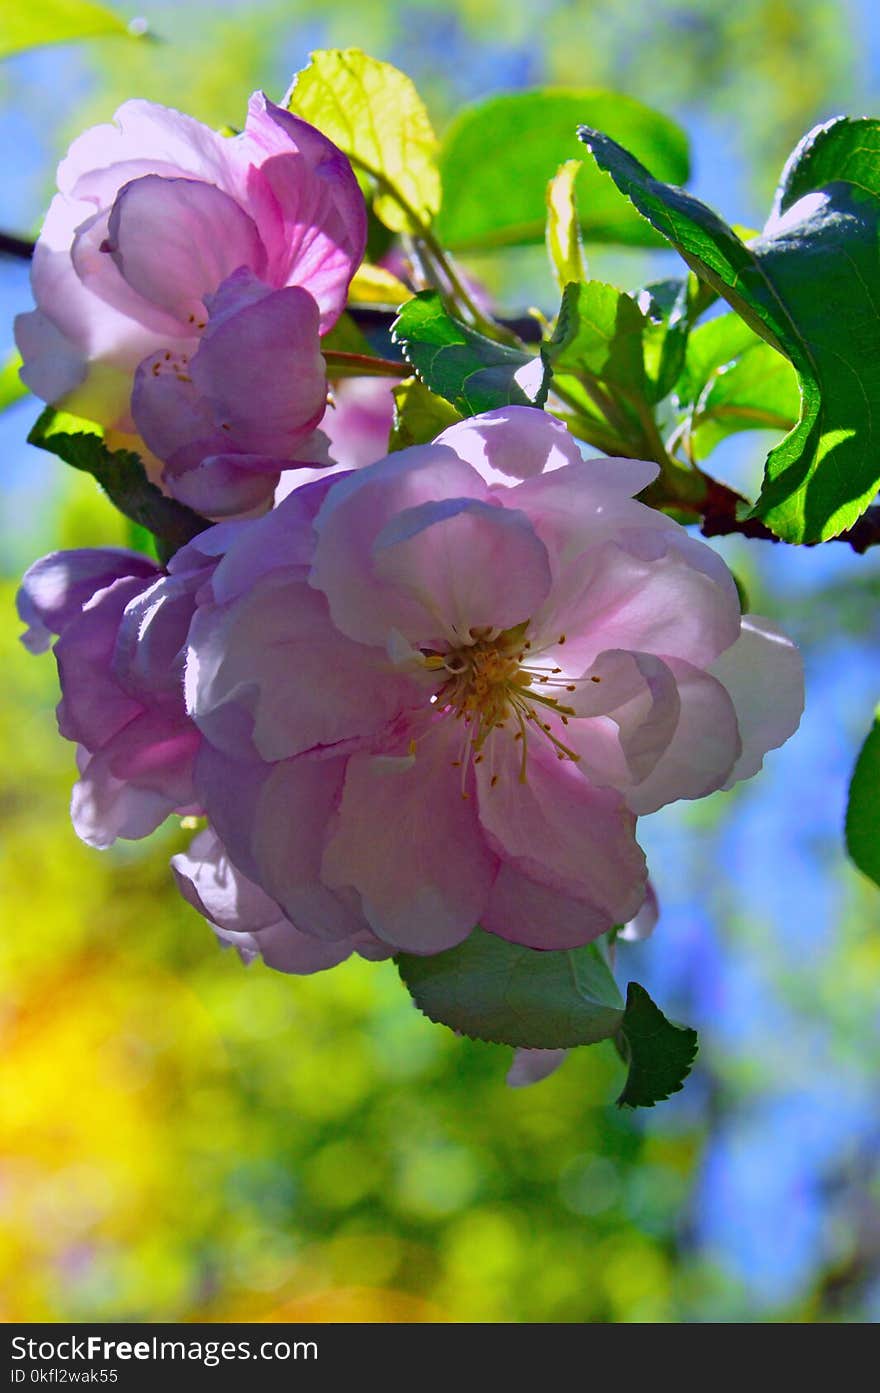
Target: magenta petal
(163,237)
(323,222)
(425,886)
(467,564)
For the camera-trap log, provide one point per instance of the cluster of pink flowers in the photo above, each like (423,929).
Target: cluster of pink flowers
(183,280)
(429,692)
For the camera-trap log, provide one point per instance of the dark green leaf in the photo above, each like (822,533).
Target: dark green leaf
(810,287)
(498,991)
(670,308)
(419,415)
(863,809)
(122,477)
(497,157)
(472,372)
(659,1054)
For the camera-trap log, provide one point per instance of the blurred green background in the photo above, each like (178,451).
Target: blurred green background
(184,1138)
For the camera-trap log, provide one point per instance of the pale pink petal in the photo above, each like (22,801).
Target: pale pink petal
(290,832)
(129,786)
(704,748)
(260,364)
(526,910)
(533,1066)
(93,706)
(165,237)
(466,564)
(645,922)
(52,365)
(55,588)
(512,443)
(637,695)
(621,597)
(557,828)
(584,503)
(275,656)
(411,845)
(145,133)
(764,674)
(99,272)
(356,510)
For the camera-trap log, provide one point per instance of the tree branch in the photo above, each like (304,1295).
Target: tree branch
(719,519)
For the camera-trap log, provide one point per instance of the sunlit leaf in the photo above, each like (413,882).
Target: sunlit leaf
(497,157)
(494,990)
(31,23)
(373,112)
(373,285)
(599,331)
(474,373)
(12,389)
(419,415)
(564,246)
(863,808)
(822,476)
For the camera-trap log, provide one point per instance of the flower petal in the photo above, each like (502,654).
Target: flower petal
(558,829)
(425,886)
(704,748)
(512,443)
(356,509)
(533,1066)
(55,588)
(467,564)
(176,240)
(275,656)
(764,674)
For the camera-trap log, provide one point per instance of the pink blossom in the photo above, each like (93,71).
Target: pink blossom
(121,629)
(163,230)
(463,673)
(244,917)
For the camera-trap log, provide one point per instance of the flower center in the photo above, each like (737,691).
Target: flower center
(494,681)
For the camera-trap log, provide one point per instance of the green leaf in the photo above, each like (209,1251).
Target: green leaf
(734,381)
(373,112)
(37,22)
(659,1054)
(599,332)
(809,286)
(419,415)
(497,156)
(493,990)
(564,246)
(122,477)
(670,308)
(863,808)
(472,372)
(345,337)
(12,389)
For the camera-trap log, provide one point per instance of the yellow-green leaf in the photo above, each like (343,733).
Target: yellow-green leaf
(31,23)
(564,246)
(374,114)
